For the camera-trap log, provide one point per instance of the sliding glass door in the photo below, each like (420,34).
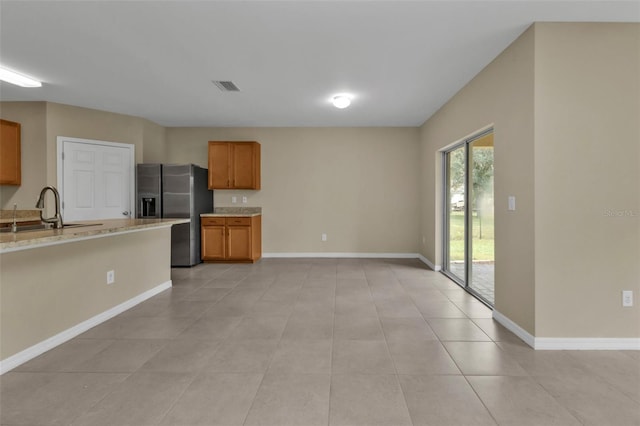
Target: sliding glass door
(455,161)
(469,238)
(481,276)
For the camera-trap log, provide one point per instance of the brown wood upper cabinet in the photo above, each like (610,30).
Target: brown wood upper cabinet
(10,161)
(234,165)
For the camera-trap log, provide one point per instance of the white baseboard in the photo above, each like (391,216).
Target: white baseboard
(567,343)
(343,255)
(21,357)
(357,255)
(429,263)
(587,343)
(526,337)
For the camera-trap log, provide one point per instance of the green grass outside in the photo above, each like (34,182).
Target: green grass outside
(483,249)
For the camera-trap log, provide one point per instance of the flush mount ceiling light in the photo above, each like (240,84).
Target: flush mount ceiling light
(18,79)
(341,101)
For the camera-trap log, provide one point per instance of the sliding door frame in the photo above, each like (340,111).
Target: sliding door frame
(468,215)
(446,203)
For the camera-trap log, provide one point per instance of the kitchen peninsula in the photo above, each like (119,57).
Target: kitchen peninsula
(54,282)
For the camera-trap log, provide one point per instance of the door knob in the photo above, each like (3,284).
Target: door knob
(125,213)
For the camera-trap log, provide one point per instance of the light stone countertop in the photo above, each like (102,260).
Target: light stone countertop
(25,240)
(234,211)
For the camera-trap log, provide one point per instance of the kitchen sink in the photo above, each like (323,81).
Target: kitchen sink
(23,228)
(78,225)
(45,226)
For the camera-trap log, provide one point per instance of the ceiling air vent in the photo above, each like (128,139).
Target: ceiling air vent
(226,86)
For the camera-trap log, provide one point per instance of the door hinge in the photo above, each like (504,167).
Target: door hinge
(63,204)
(63,156)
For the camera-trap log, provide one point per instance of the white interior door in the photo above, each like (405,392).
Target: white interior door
(95,179)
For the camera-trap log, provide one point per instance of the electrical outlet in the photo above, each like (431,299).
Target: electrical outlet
(244,200)
(234,199)
(627,298)
(111,277)
(324,237)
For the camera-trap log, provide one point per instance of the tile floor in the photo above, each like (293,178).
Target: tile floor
(316,342)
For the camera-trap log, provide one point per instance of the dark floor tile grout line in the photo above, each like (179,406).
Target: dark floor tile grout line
(253,400)
(175,401)
(333,333)
(395,367)
(73,422)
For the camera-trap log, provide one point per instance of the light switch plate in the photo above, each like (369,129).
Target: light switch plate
(244,200)
(512,203)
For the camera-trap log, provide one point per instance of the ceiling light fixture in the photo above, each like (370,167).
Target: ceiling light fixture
(341,101)
(18,79)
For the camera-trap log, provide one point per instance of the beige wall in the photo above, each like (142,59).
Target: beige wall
(67,283)
(501,95)
(357,185)
(154,142)
(43,122)
(564,100)
(587,179)
(32,119)
(75,122)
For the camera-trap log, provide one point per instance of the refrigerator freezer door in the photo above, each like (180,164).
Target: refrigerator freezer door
(148,191)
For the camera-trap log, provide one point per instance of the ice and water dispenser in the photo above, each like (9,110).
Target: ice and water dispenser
(148,192)
(148,206)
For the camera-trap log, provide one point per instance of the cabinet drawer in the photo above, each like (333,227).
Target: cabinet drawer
(211,221)
(238,221)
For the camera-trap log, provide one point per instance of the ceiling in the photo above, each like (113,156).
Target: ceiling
(401,60)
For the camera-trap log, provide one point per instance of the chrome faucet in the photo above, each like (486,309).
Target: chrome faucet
(57,219)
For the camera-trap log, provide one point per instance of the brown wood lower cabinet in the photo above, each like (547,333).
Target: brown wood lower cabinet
(231,238)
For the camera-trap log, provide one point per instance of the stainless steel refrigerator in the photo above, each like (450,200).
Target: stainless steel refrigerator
(175,191)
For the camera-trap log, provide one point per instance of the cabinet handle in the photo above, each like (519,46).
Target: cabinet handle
(227,183)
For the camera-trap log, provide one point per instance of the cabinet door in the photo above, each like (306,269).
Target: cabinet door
(243,167)
(213,242)
(219,165)
(10,161)
(239,242)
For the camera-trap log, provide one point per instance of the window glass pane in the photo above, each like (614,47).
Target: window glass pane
(456,212)
(481,233)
